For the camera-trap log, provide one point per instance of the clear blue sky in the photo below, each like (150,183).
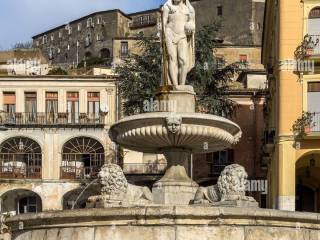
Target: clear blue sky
(22,19)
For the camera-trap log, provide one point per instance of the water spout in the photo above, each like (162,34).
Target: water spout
(77,199)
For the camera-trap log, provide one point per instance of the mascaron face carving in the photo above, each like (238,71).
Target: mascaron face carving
(174,123)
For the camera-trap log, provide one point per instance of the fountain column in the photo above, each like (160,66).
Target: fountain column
(175,187)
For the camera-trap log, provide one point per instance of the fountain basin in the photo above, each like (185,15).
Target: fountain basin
(166,223)
(198,133)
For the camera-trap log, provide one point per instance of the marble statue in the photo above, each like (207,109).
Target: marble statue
(115,189)
(178,21)
(231,186)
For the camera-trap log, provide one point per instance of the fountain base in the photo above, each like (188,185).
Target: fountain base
(174,188)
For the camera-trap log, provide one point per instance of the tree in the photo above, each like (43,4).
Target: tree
(210,81)
(140,75)
(22,45)
(57,71)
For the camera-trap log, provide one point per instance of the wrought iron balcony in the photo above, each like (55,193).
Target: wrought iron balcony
(309,47)
(65,120)
(144,168)
(20,165)
(145,23)
(81,166)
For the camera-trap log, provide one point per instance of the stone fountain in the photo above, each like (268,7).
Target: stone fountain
(176,130)
(177,208)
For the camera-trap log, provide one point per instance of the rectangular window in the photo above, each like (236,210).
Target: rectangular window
(60,34)
(9,102)
(79,27)
(52,37)
(314,104)
(51,106)
(124,49)
(31,106)
(219,160)
(44,39)
(73,107)
(219,11)
(89,22)
(94,105)
(243,58)
(99,21)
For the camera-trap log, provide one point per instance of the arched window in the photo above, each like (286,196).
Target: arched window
(21,201)
(82,157)
(20,157)
(314,21)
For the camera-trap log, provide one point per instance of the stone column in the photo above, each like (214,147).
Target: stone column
(286,177)
(176,187)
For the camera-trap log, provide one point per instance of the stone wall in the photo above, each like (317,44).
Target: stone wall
(242,20)
(167,223)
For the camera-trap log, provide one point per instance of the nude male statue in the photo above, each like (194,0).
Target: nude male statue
(178,19)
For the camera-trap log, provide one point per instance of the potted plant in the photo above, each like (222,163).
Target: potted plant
(303,124)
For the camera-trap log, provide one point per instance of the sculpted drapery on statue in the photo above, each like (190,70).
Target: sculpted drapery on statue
(178,30)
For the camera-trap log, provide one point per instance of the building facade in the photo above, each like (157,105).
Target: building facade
(23,62)
(93,36)
(56,139)
(110,34)
(291,55)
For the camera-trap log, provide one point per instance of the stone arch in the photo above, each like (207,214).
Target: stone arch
(307,177)
(314,12)
(20,157)
(79,135)
(105,53)
(22,135)
(82,157)
(79,196)
(21,201)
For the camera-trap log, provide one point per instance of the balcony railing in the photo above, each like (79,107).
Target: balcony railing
(309,47)
(144,168)
(144,23)
(314,48)
(20,165)
(74,165)
(52,119)
(316,123)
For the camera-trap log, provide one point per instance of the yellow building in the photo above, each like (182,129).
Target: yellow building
(291,55)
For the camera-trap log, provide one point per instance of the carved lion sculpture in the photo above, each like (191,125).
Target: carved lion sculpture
(231,186)
(116,189)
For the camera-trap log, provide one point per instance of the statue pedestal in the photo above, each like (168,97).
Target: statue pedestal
(174,188)
(176,99)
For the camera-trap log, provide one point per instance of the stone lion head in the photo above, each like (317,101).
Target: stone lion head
(112,179)
(232,181)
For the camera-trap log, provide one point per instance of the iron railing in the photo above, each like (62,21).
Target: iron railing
(315,46)
(20,165)
(81,165)
(146,22)
(316,122)
(144,168)
(52,119)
